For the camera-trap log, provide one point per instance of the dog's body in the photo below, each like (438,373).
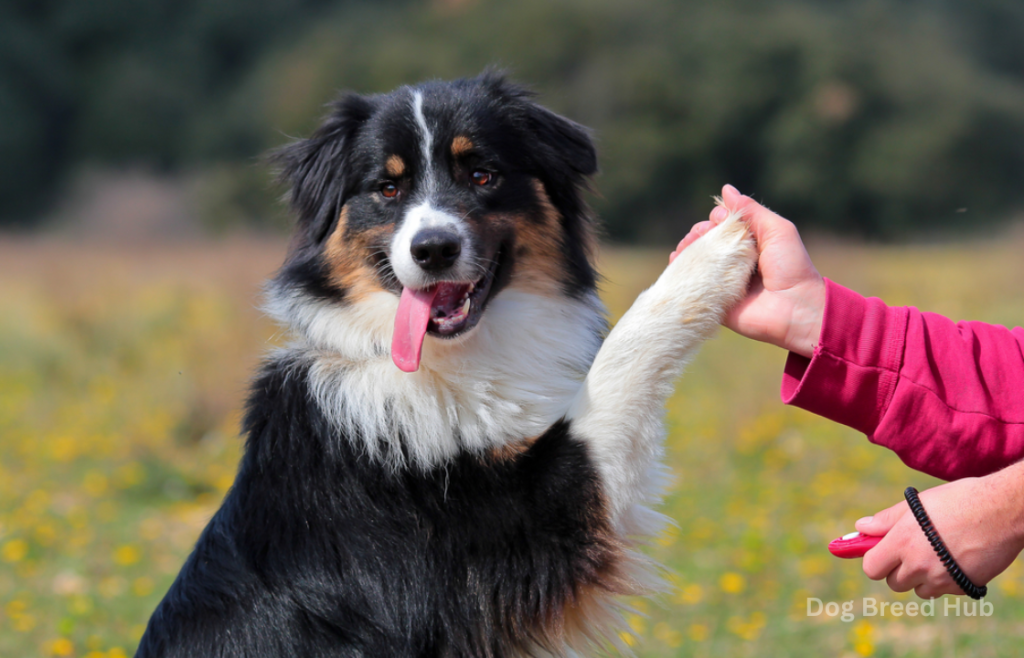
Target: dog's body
(485,501)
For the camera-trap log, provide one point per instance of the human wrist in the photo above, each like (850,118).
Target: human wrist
(1007,486)
(804,329)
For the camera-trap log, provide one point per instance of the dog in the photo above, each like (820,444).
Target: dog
(451,459)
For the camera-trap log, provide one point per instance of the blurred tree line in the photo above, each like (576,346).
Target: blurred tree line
(882,118)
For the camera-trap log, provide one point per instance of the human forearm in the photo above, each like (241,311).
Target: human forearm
(1007,486)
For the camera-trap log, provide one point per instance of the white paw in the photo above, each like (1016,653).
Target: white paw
(714,271)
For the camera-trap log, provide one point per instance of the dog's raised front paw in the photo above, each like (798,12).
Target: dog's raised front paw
(713,271)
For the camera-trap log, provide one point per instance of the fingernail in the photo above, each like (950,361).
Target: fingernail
(730,188)
(719,214)
(866,519)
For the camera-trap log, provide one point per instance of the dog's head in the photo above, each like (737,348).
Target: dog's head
(417,209)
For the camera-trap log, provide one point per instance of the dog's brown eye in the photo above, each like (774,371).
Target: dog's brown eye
(389,190)
(481,177)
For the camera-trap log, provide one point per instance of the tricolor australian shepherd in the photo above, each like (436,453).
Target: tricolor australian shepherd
(452,459)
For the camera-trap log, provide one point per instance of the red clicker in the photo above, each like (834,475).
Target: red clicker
(853,545)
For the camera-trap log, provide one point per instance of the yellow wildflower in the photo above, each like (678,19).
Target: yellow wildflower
(127,554)
(14,550)
(732,583)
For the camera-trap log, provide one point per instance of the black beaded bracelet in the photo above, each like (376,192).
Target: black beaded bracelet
(969,588)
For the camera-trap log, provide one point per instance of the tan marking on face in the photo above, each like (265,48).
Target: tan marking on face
(395,166)
(461,145)
(348,259)
(539,263)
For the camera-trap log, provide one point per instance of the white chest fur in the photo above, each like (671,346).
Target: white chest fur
(509,379)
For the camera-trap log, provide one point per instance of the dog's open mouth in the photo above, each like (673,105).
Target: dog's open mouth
(445,310)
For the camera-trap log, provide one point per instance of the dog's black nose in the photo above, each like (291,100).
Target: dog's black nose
(436,249)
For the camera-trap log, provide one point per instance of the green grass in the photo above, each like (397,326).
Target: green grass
(121,376)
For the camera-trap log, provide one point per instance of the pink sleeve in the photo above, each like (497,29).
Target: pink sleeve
(947,397)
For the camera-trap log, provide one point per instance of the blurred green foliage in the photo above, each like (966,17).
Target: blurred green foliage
(883,118)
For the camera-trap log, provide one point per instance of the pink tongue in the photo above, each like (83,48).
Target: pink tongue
(411,326)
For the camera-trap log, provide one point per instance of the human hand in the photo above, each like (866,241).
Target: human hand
(786,300)
(980,520)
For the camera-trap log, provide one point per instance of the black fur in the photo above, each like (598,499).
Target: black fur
(315,168)
(341,164)
(318,551)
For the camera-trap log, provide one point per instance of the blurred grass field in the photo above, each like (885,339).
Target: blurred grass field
(122,370)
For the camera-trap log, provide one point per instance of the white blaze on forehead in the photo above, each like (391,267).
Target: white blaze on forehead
(426,141)
(426,214)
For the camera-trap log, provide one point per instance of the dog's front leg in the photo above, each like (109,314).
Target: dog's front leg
(620,407)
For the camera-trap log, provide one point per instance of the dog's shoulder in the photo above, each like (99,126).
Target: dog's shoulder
(264,578)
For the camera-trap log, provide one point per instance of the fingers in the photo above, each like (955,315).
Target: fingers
(927,580)
(731,201)
(904,557)
(697,231)
(918,573)
(884,558)
(903,579)
(732,197)
(734,201)
(881,560)
(765,224)
(883,521)
(787,308)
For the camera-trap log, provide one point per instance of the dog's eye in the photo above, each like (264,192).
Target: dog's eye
(389,190)
(481,177)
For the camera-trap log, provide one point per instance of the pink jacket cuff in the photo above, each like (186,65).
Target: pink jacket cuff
(853,373)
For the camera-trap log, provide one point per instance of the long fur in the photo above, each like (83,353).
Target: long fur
(490,503)
(620,407)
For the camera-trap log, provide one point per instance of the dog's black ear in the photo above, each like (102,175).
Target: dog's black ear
(561,154)
(560,148)
(317,170)
(561,143)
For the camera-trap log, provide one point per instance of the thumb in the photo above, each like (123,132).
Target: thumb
(883,521)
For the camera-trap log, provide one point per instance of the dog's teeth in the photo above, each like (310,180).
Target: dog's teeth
(465,306)
(471,287)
